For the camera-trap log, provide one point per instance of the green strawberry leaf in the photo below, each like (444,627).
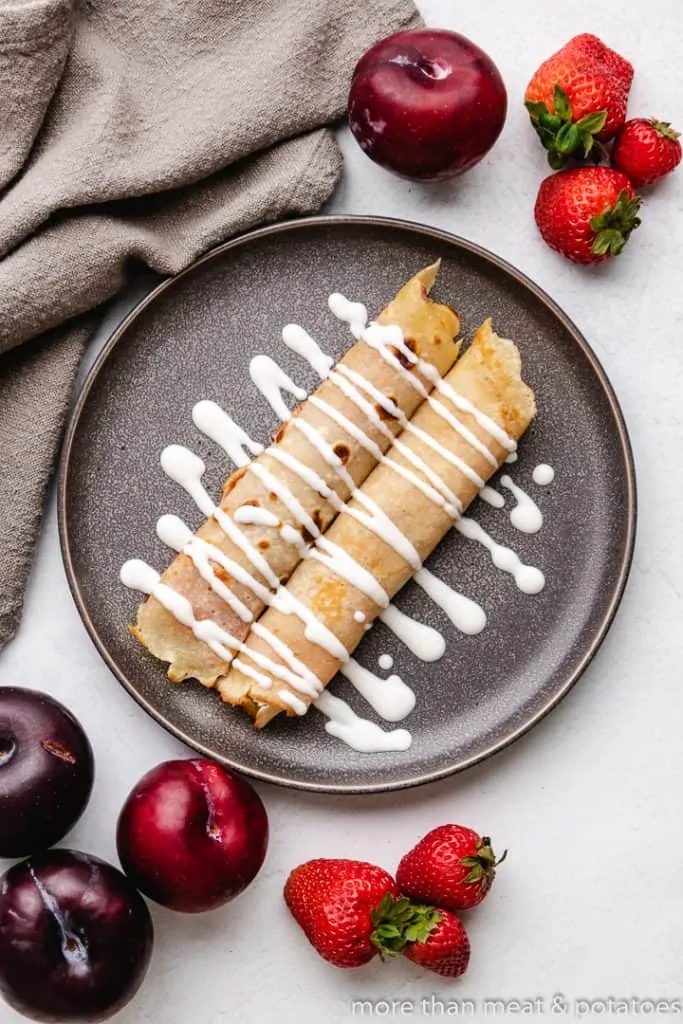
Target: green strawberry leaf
(551,121)
(567,139)
(610,240)
(592,123)
(561,103)
(536,110)
(400,921)
(664,129)
(563,137)
(614,225)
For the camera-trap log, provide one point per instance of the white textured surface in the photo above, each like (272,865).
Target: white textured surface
(589,902)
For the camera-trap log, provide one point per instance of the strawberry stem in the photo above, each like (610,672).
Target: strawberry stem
(664,129)
(614,225)
(399,922)
(483,864)
(562,136)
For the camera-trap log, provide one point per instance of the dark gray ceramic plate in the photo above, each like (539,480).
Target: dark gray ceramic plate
(193,338)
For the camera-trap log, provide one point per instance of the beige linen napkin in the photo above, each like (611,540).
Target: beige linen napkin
(142,130)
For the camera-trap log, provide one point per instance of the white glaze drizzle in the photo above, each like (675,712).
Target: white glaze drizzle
(390,697)
(171,530)
(299,706)
(385,662)
(255,515)
(187,470)
(543,474)
(425,642)
(220,427)
(352,313)
(380,336)
(366,442)
(383,337)
(298,340)
(271,380)
(492,497)
(378,521)
(529,579)
(436,488)
(526,516)
(263,680)
(397,413)
(137,575)
(465,614)
(309,349)
(359,733)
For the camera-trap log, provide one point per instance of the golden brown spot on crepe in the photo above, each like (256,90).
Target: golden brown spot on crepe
(306,535)
(272,496)
(329,600)
(383,413)
(279,433)
(342,451)
(232,480)
(221,574)
(411,344)
(263,544)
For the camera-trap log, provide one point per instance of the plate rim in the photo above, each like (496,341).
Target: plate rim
(630,508)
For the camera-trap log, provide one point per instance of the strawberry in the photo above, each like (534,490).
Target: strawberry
(577,99)
(445,950)
(587,213)
(352,911)
(452,867)
(645,150)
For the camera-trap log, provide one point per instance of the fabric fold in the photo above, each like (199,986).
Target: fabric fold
(166,232)
(34,44)
(144,130)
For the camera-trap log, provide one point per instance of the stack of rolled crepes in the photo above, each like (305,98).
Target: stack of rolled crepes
(488,376)
(430,330)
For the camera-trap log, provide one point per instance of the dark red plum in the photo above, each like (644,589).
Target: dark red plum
(192,835)
(426,103)
(46,771)
(75,938)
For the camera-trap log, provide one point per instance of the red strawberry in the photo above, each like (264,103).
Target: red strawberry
(451,866)
(577,99)
(588,213)
(446,949)
(351,911)
(645,150)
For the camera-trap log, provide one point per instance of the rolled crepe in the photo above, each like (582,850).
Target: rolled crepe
(430,329)
(488,375)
